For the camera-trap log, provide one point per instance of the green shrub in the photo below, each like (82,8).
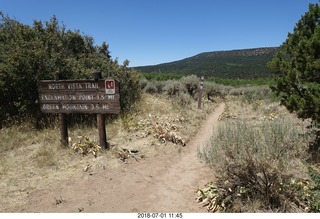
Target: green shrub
(315,195)
(173,87)
(32,53)
(184,99)
(156,76)
(216,90)
(254,162)
(150,88)
(191,84)
(130,90)
(143,83)
(253,93)
(160,85)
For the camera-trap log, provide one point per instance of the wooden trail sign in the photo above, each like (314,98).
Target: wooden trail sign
(99,96)
(79,96)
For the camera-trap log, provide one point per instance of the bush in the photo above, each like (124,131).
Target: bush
(254,163)
(315,196)
(191,84)
(216,90)
(173,87)
(143,83)
(32,53)
(253,93)
(160,86)
(184,99)
(150,88)
(130,90)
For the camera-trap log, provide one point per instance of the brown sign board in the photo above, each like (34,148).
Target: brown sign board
(79,96)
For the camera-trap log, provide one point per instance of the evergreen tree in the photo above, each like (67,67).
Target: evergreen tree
(298,66)
(32,53)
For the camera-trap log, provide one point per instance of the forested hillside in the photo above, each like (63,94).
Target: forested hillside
(234,64)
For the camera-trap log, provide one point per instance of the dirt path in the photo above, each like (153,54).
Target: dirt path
(165,183)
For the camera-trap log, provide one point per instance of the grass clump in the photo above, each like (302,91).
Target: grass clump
(259,163)
(45,157)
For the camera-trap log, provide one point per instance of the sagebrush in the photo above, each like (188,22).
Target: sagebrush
(254,162)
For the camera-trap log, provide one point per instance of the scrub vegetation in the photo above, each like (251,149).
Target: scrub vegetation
(264,153)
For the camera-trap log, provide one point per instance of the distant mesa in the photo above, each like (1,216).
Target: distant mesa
(233,64)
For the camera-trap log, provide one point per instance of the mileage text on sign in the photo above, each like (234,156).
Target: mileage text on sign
(79,96)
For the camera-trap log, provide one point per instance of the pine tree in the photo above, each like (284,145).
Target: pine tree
(298,67)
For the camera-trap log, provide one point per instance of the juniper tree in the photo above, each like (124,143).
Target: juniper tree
(32,53)
(297,64)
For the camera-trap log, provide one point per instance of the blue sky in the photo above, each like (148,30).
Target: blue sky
(148,32)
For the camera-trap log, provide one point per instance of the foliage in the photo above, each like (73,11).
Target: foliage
(298,64)
(39,52)
(150,88)
(294,194)
(315,176)
(160,85)
(253,162)
(216,90)
(85,146)
(143,83)
(191,83)
(242,82)
(173,87)
(130,90)
(235,64)
(255,93)
(155,76)
(183,90)
(163,128)
(184,99)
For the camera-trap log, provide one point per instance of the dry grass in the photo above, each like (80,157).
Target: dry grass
(258,154)
(31,160)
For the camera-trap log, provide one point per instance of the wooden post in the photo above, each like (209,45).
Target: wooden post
(63,130)
(200,92)
(101,121)
(63,124)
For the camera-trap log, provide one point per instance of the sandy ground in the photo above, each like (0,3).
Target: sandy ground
(165,183)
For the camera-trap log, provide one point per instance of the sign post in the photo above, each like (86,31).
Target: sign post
(62,123)
(101,122)
(63,129)
(80,96)
(200,92)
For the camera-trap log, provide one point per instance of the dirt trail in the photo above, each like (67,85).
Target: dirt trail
(165,183)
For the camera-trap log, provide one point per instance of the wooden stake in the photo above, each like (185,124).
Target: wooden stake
(200,92)
(63,129)
(101,121)
(62,124)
